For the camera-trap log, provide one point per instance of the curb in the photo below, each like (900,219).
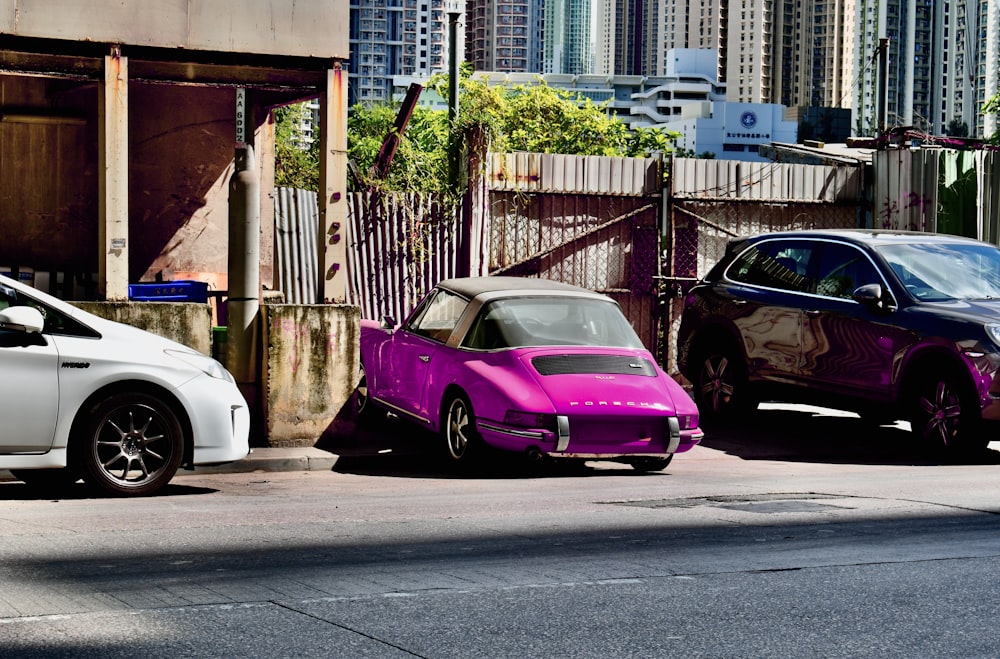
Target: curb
(260,459)
(273,459)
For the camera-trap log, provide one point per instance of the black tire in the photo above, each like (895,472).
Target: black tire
(945,414)
(721,386)
(131,445)
(458,428)
(363,407)
(647,464)
(47,481)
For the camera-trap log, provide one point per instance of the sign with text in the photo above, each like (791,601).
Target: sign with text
(241,115)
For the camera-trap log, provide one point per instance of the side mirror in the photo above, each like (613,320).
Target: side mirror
(22,319)
(388,323)
(870,295)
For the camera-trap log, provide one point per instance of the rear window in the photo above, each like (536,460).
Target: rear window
(543,321)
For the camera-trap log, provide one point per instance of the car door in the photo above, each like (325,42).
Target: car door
(768,285)
(29,392)
(848,346)
(412,350)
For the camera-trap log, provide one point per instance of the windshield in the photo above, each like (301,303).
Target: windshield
(545,321)
(934,272)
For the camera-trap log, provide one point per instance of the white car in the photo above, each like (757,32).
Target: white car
(85,397)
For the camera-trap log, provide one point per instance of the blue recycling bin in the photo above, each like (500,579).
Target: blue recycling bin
(183,290)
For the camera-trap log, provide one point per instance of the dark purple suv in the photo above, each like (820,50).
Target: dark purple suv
(892,325)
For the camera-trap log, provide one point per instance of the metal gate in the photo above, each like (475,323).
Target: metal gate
(584,220)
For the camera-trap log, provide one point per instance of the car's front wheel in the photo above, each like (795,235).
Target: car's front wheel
(131,444)
(945,414)
(462,441)
(721,383)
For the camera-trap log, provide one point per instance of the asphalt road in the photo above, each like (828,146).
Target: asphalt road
(798,534)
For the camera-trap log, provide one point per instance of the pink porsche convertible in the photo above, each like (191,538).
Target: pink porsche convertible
(526,365)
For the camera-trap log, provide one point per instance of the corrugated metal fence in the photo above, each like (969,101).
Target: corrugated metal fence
(943,190)
(398,246)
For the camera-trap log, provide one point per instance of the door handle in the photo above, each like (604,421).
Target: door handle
(425,358)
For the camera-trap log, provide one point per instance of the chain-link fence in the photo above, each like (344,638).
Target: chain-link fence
(601,242)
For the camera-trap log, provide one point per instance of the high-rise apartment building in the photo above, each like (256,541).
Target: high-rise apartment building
(391,38)
(566,30)
(620,40)
(969,64)
(504,35)
(943,59)
(748,55)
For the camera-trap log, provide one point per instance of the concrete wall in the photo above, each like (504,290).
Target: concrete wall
(310,368)
(189,323)
(306,28)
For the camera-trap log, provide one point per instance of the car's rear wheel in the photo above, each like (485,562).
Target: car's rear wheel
(721,386)
(945,414)
(131,444)
(462,441)
(647,464)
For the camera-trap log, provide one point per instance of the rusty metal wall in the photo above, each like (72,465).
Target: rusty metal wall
(305,28)
(548,172)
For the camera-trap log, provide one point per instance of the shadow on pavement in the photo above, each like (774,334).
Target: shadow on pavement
(18,491)
(787,433)
(803,433)
(392,447)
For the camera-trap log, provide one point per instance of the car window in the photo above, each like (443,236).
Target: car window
(542,321)
(842,269)
(56,322)
(781,264)
(439,316)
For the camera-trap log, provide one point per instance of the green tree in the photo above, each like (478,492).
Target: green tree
(534,118)
(957,128)
(296,160)
(421,160)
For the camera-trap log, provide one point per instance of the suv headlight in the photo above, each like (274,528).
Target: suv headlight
(205,364)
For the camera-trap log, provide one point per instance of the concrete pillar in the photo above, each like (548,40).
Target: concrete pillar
(112,135)
(333,187)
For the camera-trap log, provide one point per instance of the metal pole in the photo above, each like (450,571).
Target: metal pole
(883,85)
(454,12)
(243,304)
